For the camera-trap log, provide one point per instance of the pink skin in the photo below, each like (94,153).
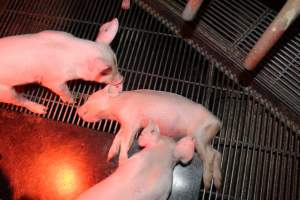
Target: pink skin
(126,4)
(188,14)
(191,9)
(148,174)
(175,115)
(52,58)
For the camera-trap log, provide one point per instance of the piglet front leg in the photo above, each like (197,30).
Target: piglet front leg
(122,142)
(62,90)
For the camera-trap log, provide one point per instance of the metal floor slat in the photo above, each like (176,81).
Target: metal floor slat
(223,24)
(260,151)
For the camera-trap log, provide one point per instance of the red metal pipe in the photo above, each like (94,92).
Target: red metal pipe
(191,9)
(280,24)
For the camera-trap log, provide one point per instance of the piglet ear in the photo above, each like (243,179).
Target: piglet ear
(149,135)
(108,31)
(113,90)
(184,149)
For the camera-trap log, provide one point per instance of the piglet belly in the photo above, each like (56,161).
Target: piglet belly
(170,120)
(23,63)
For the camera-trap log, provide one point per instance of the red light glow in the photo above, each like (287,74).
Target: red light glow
(66,179)
(63,173)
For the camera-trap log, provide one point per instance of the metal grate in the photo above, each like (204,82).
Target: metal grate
(233,27)
(260,151)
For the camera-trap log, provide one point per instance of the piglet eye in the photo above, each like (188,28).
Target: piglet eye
(106,71)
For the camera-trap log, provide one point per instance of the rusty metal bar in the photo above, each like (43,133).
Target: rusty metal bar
(281,23)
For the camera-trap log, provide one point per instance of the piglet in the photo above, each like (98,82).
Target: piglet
(188,13)
(148,174)
(51,58)
(175,115)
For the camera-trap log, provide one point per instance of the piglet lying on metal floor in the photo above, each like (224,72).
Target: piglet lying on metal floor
(148,174)
(175,115)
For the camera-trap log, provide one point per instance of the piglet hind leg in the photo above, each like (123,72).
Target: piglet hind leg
(211,158)
(62,90)
(122,143)
(9,95)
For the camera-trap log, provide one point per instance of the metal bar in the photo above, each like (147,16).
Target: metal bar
(297,175)
(254,131)
(243,125)
(157,63)
(266,155)
(222,113)
(260,156)
(144,49)
(232,19)
(256,7)
(189,74)
(272,132)
(276,159)
(227,129)
(249,11)
(218,112)
(151,58)
(255,147)
(184,52)
(282,167)
(130,40)
(285,91)
(221,28)
(248,129)
(239,126)
(289,164)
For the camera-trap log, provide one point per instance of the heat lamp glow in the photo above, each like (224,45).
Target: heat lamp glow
(64,173)
(66,179)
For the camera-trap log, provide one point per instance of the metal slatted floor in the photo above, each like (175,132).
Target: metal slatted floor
(260,150)
(233,27)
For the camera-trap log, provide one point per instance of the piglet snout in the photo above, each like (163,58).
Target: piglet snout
(82,111)
(87,113)
(118,80)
